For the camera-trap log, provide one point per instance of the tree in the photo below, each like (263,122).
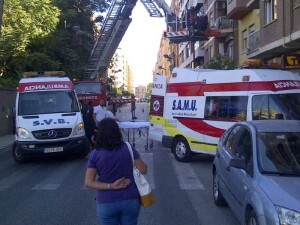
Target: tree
(23,21)
(149,90)
(39,35)
(220,62)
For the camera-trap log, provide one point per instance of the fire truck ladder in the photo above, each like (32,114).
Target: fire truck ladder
(114,27)
(151,8)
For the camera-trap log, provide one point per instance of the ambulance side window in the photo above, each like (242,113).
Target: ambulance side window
(226,108)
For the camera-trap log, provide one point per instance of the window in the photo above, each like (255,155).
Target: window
(279,106)
(270,11)
(239,144)
(32,103)
(211,17)
(226,108)
(251,29)
(230,50)
(211,52)
(244,42)
(296,3)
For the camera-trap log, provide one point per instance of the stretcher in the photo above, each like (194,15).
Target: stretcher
(130,129)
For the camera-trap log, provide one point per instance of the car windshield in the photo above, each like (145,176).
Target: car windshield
(43,102)
(279,153)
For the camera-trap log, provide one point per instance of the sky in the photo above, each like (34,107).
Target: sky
(140,44)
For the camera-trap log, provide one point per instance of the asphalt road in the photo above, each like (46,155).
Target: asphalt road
(51,191)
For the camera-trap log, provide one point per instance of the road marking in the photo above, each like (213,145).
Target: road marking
(56,177)
(16,177)
(186,176)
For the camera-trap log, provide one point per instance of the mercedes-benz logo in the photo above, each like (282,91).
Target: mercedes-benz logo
(52,134)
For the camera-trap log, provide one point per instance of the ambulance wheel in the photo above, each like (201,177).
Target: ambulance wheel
(181,150)
(18,157)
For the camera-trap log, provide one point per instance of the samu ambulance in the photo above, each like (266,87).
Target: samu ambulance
(192,111)
(48,117)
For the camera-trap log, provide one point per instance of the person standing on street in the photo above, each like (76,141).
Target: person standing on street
(90,125)
(133,107)
(100,112)
(118,200)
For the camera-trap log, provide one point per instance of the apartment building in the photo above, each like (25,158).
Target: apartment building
(249,30)
(140,92)
(276,32)
(197,53)
(120,72)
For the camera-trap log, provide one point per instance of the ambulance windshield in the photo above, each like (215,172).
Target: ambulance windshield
(44,102)
(276,106)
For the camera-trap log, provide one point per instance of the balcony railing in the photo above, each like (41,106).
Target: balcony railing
(223,23)
(253,4)
(254,41)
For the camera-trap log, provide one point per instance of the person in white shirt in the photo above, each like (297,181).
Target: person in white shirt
(100,112)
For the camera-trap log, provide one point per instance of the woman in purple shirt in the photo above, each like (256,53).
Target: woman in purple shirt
(118,200)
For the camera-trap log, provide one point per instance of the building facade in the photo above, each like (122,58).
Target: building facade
(120,72)
(248,30)
(140,92)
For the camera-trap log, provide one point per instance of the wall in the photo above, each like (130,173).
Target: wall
(252,18)
(7,102)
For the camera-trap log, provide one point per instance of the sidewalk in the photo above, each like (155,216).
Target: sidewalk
(6,141)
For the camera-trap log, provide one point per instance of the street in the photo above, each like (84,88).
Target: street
(51,191)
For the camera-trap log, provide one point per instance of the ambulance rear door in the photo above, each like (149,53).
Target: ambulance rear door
(157,107)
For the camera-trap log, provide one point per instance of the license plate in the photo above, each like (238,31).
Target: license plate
(56,149)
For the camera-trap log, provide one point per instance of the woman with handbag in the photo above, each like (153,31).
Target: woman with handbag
(118,199)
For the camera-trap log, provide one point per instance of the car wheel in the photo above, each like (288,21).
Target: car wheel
(181,150)
(218,197)
(18,157)
(251,218)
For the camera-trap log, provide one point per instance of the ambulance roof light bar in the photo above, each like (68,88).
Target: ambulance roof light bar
(44,74)
(260,65)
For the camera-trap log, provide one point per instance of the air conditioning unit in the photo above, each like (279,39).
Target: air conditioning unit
(221,5)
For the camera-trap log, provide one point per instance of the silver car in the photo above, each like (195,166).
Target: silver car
(256,171)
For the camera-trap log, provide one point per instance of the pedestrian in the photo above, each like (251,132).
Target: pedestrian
(133,107)
(100,112)
(90,125)
(118,200)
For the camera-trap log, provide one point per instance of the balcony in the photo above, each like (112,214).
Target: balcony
(224,25)
(253,4)
(254,42)
(237,9)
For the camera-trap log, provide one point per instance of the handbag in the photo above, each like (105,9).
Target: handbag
(146,194)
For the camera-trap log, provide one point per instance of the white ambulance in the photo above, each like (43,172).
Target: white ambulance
(192,111)
(48,118)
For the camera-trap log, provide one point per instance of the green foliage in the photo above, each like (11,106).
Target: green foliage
(149,90)
(8,82)
(220,62)
(39,35)
(23,21)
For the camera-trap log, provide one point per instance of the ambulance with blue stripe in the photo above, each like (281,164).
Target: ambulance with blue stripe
(191,112)
(48,118)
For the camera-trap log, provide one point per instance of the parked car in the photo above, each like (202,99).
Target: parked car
(256,171)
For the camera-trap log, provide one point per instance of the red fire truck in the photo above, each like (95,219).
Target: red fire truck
(91,91)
